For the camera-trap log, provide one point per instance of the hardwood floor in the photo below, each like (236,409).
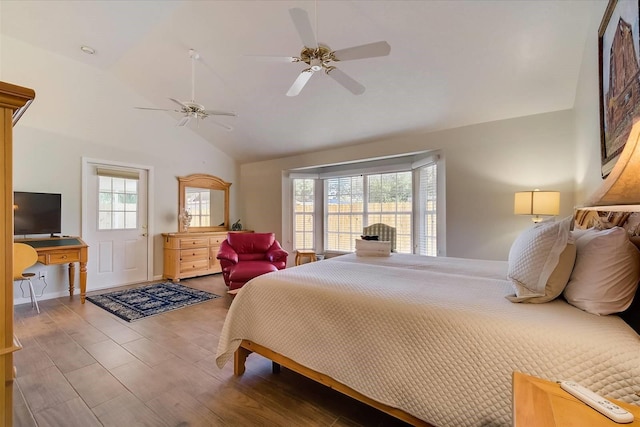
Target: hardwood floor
(81,366)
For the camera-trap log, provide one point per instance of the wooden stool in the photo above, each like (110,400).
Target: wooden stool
(305,253)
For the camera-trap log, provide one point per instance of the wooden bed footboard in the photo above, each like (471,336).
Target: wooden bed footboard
(248,347)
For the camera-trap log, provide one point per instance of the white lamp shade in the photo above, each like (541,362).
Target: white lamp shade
(537,203)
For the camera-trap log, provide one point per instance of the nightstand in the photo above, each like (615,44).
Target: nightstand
(305,254)
(537,402)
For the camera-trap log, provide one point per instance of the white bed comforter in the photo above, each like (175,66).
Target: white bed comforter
(434,337)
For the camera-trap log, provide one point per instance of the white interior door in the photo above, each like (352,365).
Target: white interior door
(116,225)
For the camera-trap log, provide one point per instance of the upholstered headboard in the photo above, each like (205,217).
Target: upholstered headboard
(630,221)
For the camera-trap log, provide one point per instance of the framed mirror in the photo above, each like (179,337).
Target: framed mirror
(206,198)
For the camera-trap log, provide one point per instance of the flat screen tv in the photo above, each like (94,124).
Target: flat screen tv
(36,213)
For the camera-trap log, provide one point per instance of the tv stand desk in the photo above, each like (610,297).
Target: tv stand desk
(62,250)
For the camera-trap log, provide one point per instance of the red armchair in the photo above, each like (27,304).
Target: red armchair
(244,256)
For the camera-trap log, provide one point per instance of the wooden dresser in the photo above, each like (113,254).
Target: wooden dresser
(192,254)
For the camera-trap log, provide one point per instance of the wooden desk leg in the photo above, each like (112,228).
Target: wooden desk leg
(83,281)
(72,278)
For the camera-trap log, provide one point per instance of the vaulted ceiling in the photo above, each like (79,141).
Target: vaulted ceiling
(452,63)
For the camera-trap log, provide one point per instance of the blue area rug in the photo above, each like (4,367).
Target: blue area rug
(138,303)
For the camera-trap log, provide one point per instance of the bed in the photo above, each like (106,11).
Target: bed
(432,341)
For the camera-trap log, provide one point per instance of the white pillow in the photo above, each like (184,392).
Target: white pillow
(383,247)
(605,277)
(579,232)
(558,279)
(534,256)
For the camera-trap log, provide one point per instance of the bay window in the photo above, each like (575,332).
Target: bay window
(404,198)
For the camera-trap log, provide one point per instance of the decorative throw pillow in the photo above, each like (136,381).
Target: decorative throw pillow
(534,256)
(605,277)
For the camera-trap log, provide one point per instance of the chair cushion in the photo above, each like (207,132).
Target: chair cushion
(247,270)
(251,243)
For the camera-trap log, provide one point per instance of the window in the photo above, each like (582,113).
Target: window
(389,201)
(304,213)
(358,201)
(344,198)
(118,203)
(427,214)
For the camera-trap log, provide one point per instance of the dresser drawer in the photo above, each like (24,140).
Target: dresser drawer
(62,257)
(216,240)
(187,255)
(195,265)
(201,242)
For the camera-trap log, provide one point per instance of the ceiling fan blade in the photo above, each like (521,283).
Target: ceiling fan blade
(155,109)
(220,113)
(370,50)
(346,81)
(179,103)
(271,58)
(303,26)
(302,80)
(184,121)
(222,125)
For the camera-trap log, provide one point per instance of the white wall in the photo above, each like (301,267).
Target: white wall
(82,111)
(485,165)
(587,118)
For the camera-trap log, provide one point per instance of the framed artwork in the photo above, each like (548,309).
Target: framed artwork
(618,53)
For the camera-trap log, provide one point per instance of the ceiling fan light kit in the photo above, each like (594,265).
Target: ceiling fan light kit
(191,109)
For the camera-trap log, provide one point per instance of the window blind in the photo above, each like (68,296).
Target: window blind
(117,173)
(427,214)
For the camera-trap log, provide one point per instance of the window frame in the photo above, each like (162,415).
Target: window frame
(116,193)
(296,214)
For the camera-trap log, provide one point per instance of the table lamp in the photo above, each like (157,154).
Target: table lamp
(537,203)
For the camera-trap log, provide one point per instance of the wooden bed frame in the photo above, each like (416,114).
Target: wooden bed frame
(248,347)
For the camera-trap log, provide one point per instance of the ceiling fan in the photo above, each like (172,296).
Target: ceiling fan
(191,109)
(320,56)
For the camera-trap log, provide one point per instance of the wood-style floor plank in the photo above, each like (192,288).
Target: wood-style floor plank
(141,380)
(109,354)
(127,410)
(82,366)
(22,416)
(178,407)
(147,351)
(45,388)
(95,384)
(71,412)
